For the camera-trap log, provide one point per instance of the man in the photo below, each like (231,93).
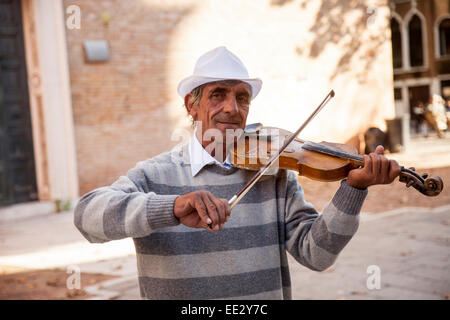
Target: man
(165,204)
(436,115)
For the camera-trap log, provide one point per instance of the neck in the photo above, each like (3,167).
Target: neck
(356,159)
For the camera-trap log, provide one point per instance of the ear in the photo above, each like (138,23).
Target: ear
(189,107)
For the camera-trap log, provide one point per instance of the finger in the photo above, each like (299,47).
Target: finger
(212,211)
(220,210)
(201,210)
(367,164)
(384,170)
(394,170)
(375,165)
(379,149)
(227,208)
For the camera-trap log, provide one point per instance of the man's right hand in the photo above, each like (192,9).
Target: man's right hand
(199,209)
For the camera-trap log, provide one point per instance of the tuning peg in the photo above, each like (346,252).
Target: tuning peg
(410,183)
(425,175)
(412,169)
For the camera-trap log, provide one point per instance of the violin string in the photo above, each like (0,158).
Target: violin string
(335,152)
(332,151)
(239,195)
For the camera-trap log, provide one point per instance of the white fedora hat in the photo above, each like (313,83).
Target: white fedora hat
(216,65)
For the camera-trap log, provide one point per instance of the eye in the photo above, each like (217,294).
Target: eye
(217,95)
(243,99)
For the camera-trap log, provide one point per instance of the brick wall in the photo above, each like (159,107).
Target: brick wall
(125,110)
(120,107)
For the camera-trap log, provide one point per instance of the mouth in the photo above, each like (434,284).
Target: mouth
(228,123)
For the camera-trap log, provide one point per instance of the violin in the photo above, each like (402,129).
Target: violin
(258,150)
(324,161)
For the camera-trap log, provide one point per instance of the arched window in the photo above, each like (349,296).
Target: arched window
(396,43)
(415,42)
(444,37)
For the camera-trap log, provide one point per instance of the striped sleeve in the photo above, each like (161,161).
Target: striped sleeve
(127,208)
(316,240)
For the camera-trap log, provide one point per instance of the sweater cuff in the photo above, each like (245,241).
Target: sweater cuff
(349,199)
(160,211)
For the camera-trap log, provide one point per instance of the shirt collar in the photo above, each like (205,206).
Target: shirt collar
(199,157)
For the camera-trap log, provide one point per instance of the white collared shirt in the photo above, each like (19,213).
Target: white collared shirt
(199,157)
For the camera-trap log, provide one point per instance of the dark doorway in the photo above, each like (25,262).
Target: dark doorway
(17,171)
(418,97)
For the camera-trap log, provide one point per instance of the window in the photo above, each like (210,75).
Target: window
(397,94)
(444,37)
(415,42)
(396,44)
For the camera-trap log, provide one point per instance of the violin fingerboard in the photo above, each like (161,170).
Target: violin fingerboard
(335,152)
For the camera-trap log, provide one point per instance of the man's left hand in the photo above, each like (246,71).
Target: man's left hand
(376,170)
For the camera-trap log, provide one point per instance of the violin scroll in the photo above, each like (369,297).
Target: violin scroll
(433,185)
(429,186)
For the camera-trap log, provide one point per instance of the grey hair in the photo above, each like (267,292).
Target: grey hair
(196,95)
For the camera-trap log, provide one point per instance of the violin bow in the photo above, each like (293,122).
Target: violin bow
(241,193)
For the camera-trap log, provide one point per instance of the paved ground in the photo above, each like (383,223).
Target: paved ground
(51,240)
(409,247)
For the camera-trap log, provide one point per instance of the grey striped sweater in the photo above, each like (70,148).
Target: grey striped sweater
(245,260)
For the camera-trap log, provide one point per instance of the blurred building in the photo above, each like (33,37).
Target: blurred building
(88,88)
(421,52)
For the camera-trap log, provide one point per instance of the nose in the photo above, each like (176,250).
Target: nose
(231,105)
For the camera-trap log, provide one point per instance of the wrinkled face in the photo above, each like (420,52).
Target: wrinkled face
(222,106)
